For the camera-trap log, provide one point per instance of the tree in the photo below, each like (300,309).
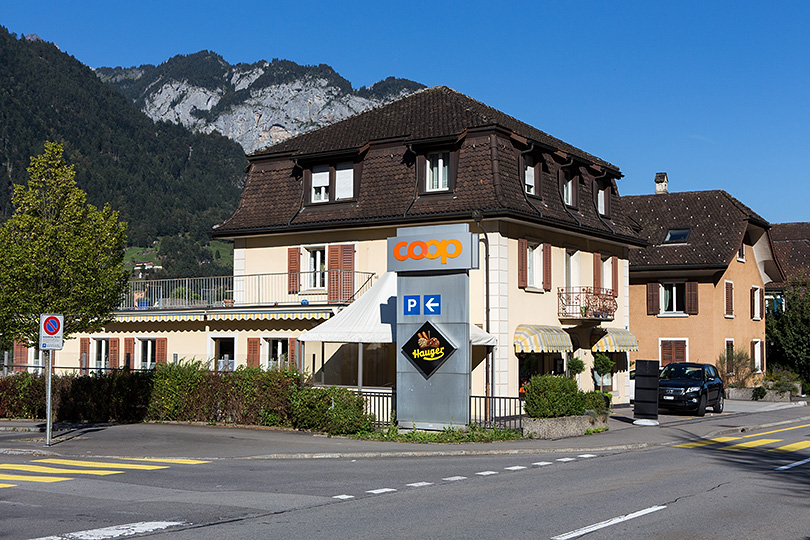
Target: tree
(58,254)
(789,330)
(603,365)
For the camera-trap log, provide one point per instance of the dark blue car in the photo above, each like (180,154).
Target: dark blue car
(690,386)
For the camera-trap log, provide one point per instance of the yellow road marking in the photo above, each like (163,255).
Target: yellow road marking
(179,461)
(706,442)
(25,478)
(101,464)
(792,447)
(775,431)
(8,485)
(750,444)
(53,470)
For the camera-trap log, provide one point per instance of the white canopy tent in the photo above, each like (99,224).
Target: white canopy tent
(372,318)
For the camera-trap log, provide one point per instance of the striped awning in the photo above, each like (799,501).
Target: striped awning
(162,317)
(535,338)
(267,316)
(613,340)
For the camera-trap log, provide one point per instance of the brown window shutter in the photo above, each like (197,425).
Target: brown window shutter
(452,170)
(20,356)
(597,271)
(333,275)
(523,270)
(762,304)
(753,353)
(615,265)
(129,352)
(679,351)
(547,266)
(752,299)
(575,190)
(292,344)
(161,350)
(84,354)
(347,272)
(293,270)
(113,353)
(253,348)
(729,298)
(666,353)
(653,303)
(691,298)
(421,172)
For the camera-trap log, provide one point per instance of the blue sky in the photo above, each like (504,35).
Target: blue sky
(713,93)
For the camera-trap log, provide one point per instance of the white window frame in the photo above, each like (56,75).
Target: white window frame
(212,349)
(568,191)
(607,272)
(572,276)
(316,265)
(344,180)
(534,265)
(320,184)
(757,298)
(269,343)
(101,352)
(438,172)
(601,201)
(757,355)
(528,175)
(677,310)
(147,344)
(725,299)
(741,253)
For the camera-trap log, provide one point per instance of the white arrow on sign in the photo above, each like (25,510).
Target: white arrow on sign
(431,303)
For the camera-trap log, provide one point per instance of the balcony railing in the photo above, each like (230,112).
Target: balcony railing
(586,303)
(283,289)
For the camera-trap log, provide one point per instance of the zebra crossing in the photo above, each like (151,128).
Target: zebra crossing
(51,470)
(764,441)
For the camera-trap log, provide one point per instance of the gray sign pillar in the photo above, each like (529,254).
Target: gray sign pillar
(433,324)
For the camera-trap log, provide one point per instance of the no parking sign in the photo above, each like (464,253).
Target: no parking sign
(50,332)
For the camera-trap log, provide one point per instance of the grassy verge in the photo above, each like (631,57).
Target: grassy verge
(472,435)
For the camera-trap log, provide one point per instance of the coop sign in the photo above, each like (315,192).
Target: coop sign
(433,248)
(428,349)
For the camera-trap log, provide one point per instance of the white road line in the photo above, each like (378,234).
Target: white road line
(117,531)
(515,468)
(380,491)
(791,465)
(343,497)
(486,473)
(608,523)
(566,459)
(586,456)
(454,478)
(541,464)
(420,484)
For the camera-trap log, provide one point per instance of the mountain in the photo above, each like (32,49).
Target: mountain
(163,179)
(255,104)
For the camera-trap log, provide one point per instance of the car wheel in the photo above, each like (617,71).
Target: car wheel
(718,406)
(701,409)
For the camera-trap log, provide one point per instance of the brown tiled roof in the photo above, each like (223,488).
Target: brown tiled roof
(717,221)
(791,245)
(431,113)
(272,200)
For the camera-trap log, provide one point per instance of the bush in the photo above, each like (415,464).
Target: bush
(575,366)
(759,393)
(175,393)
(551,396)
(783,380)
(22,395)
(736,369)
(597,401)
(332,410)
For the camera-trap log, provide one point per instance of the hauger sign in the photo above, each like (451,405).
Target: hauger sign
(433,324)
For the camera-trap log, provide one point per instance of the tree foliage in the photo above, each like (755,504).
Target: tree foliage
(58,254)
(789,331)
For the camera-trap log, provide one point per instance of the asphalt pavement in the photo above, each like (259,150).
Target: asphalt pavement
(175,440)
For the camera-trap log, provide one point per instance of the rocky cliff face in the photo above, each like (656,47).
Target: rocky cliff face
(256,105)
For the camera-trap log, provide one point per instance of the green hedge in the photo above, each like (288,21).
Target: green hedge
(188,392)
(552,396)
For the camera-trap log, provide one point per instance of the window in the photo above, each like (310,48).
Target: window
(320,183)
(571,268)
(529,182)
(673,350)
(277,352)
(756,355)
(757,297)
(344,180)
(729,299)
(676,236)
(317,267)
(673,297)
(102,356)
(741,253)
(438,171)
(148,353)
(534,265)
(603,188)
(568,189)
(607,272)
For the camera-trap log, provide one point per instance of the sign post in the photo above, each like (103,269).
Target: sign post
(51,329)
(433,324)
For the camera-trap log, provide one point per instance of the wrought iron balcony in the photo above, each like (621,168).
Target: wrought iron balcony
(586,303)
(283,289)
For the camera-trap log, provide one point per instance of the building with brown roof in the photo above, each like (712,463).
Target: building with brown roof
(791,244)
(697,289)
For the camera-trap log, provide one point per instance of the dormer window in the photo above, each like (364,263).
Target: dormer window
(603,198)
(332,182)
(528,175)
(438,171)
(568,186)
(677,236)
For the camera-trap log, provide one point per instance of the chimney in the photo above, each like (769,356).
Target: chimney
(661,182)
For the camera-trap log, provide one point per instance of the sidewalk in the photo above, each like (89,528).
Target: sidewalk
(215,442)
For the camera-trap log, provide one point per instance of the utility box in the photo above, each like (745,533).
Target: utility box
(646,401)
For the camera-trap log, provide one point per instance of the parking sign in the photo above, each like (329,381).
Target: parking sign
(50,332)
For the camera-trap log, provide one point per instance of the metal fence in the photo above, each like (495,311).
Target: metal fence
(251,290)
(381,404)
(497,412)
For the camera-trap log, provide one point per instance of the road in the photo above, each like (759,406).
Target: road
(743,485)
